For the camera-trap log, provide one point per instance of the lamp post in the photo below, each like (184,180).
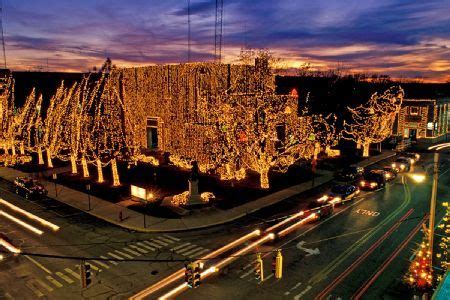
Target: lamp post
(55,176)
(431,225)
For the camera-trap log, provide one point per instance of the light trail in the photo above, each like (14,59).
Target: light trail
(29,215)
(296,225)
(180,273)
(9,246)
(299,214)
(219,265)
(21,223)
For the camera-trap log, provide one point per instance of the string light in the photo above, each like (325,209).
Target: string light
(372,122)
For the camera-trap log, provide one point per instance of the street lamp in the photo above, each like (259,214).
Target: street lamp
(55,176)
(88,188)
(435,148)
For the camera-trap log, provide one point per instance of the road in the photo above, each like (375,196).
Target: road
(314,255)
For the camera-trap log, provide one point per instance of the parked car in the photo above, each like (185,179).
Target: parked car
(321,207)
(350,174)
(402,163)
(413,157)
(340,193)
(373,180)
(29,187)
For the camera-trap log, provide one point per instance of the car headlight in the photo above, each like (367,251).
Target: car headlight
(412,160)
(323,198)
(393,165)
(362,183)
(388,176)
(373,184)
(402,166)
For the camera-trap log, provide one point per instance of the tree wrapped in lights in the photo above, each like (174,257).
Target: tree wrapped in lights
(372,122)
(420,275)
(6,113)
(325,132)
(444,244)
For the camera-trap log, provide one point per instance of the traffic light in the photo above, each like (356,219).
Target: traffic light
(277,265)
(197,276)
(259,270)
(189,275)
(85,270)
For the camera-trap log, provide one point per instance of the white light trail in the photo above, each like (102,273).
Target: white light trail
(9,246)
(29,215)
(295,225)
(299,214)
(21,223)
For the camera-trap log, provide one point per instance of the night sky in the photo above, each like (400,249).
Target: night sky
(397,37)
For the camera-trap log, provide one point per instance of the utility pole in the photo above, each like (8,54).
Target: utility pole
(433,204)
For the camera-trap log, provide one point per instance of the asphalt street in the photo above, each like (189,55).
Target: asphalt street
(315,254)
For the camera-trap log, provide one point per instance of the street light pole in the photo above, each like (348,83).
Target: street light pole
(433,204)
(54,181)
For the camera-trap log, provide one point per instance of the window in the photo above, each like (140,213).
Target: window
(413,110)
(152,133)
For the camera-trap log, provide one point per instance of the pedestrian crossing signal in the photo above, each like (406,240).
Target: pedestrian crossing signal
(85,270)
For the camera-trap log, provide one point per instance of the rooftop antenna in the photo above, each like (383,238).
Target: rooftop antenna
(218,31)
(189,30)
(1,29)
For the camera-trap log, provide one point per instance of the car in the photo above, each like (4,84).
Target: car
(402,163)
(351,173)
(390,173)
(373,180)
(29,187)
(321,207)
(414,157)
(392,169)
(340,193)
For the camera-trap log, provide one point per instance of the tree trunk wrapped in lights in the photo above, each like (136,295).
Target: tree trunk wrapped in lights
(115,172)
(49,158)
(372,122)
(99,171)
(73,163)
(40,156)
(85,167)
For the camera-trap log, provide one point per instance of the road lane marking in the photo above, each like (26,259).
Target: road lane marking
(193,251)
(145,246)
(339,236)
(94,267)
(179,247)
(198,253)
(35,290)
(44,285)
(152,244)
(64,277)
(298,296)
(115,256)
(123,254)
(139,249)
(310,252)
(131,251)
(73,273)
(268,277)
(246,274)
(366,212)
(165,240)
(159,242)
(53,281)
(38,264)
(293,288)
(101,264)
(186,249)
(110,261)
(172,237)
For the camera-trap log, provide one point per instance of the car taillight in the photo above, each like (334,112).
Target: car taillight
(373,184)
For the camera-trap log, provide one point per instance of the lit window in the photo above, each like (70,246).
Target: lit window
(413,111)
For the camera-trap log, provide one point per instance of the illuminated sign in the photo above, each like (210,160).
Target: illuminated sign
(141,193)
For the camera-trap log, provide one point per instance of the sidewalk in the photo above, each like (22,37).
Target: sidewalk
(133,220)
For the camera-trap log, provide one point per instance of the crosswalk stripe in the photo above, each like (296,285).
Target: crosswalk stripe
(35,290)
(185,249)
(152,244)
(138,249)
(179,247)
(172,238)
(54,281)
(124,254)
(145,246)
(71,272)
(197,254)
(111,261)
(93,267)
(160,242)
(44,285)
(131,251)
(192,251)
(115,256)
(101,264)
(64,277)
(165,240)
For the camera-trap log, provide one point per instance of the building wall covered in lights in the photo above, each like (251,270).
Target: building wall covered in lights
(423,119)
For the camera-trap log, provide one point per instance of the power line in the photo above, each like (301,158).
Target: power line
(1,29)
